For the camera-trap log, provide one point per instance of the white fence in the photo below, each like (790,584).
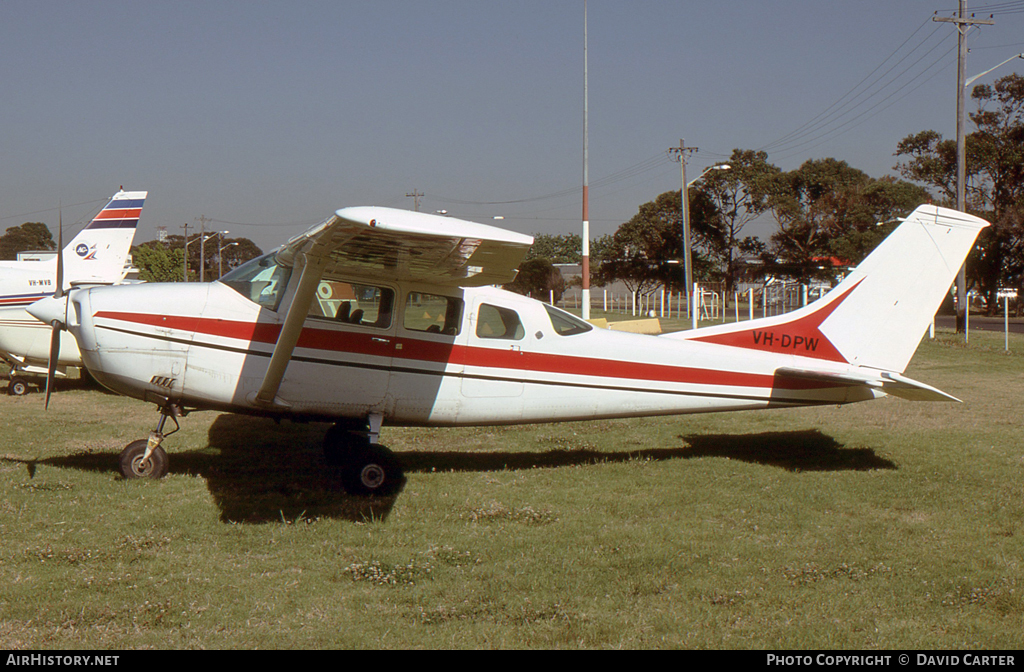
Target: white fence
(747,301)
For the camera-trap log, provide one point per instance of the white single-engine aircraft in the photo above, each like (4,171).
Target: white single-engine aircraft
(96,256)
(387,316)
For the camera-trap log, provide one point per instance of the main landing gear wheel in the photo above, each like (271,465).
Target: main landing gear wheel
(17,387)
(366,468)
(134,465)
(371,470)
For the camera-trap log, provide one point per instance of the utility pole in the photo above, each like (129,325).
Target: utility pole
(680,153)
(186,250)
(585,270)
(415,196)
(963,24)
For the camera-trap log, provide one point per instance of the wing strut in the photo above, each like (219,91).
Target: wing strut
(312,269)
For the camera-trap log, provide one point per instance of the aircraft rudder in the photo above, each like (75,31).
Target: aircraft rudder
(901,285)
(99,251)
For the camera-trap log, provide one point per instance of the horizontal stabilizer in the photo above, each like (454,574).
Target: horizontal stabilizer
(889,382)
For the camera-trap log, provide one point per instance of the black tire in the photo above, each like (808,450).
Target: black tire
(133,467)
(371,470)
(342,438)
(17,387)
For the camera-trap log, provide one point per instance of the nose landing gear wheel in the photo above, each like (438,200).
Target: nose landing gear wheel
(134,466)
(17,387)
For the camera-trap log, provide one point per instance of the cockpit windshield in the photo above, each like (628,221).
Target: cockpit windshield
(261,280)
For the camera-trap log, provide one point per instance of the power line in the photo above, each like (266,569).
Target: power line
(870,112)
(834,119)
(813,123)
(635,170)
(39,212)
(305,222)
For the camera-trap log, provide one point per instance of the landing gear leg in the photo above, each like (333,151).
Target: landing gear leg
(146,458)
(367,468)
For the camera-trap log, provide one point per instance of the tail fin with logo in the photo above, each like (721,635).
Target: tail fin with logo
(98,253)
(876,316)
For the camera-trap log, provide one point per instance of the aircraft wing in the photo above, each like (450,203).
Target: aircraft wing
(403,245)
(889,382)
(388,244)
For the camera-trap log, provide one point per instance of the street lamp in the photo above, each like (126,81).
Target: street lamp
(720,166)
(982,74)
(685,198)
(189,242)
(220,258)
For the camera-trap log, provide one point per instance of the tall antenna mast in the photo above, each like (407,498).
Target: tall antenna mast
(586,179)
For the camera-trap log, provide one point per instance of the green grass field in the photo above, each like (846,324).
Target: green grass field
(888,524)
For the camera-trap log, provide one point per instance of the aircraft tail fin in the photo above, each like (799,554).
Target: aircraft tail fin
(99,251)
(877,315)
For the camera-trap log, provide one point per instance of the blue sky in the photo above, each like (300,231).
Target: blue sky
(267,116)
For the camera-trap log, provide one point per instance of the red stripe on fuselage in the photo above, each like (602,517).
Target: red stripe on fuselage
(801,336)
(412,349)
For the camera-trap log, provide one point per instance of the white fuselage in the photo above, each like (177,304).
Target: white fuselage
(139,341)
(24,340)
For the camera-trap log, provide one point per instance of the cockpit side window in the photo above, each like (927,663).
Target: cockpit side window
(351,303)
(499,323)
(261,280)
(432,313)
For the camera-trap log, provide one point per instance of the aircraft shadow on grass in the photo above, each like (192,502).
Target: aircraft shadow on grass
(260,472)
(804,450)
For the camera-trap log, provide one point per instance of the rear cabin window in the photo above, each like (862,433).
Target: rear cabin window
(432,313)
(351,303)
(566,324)
(495,322)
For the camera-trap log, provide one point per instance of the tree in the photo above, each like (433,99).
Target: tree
(646,252)
(568,249)
(538,278)
(565,249)
(158,263)
(236,251)
(826,208)
(994,189)
(740,195)
(165,261)
(28,236)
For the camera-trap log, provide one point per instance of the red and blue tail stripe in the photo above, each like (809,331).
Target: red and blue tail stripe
(119,213)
